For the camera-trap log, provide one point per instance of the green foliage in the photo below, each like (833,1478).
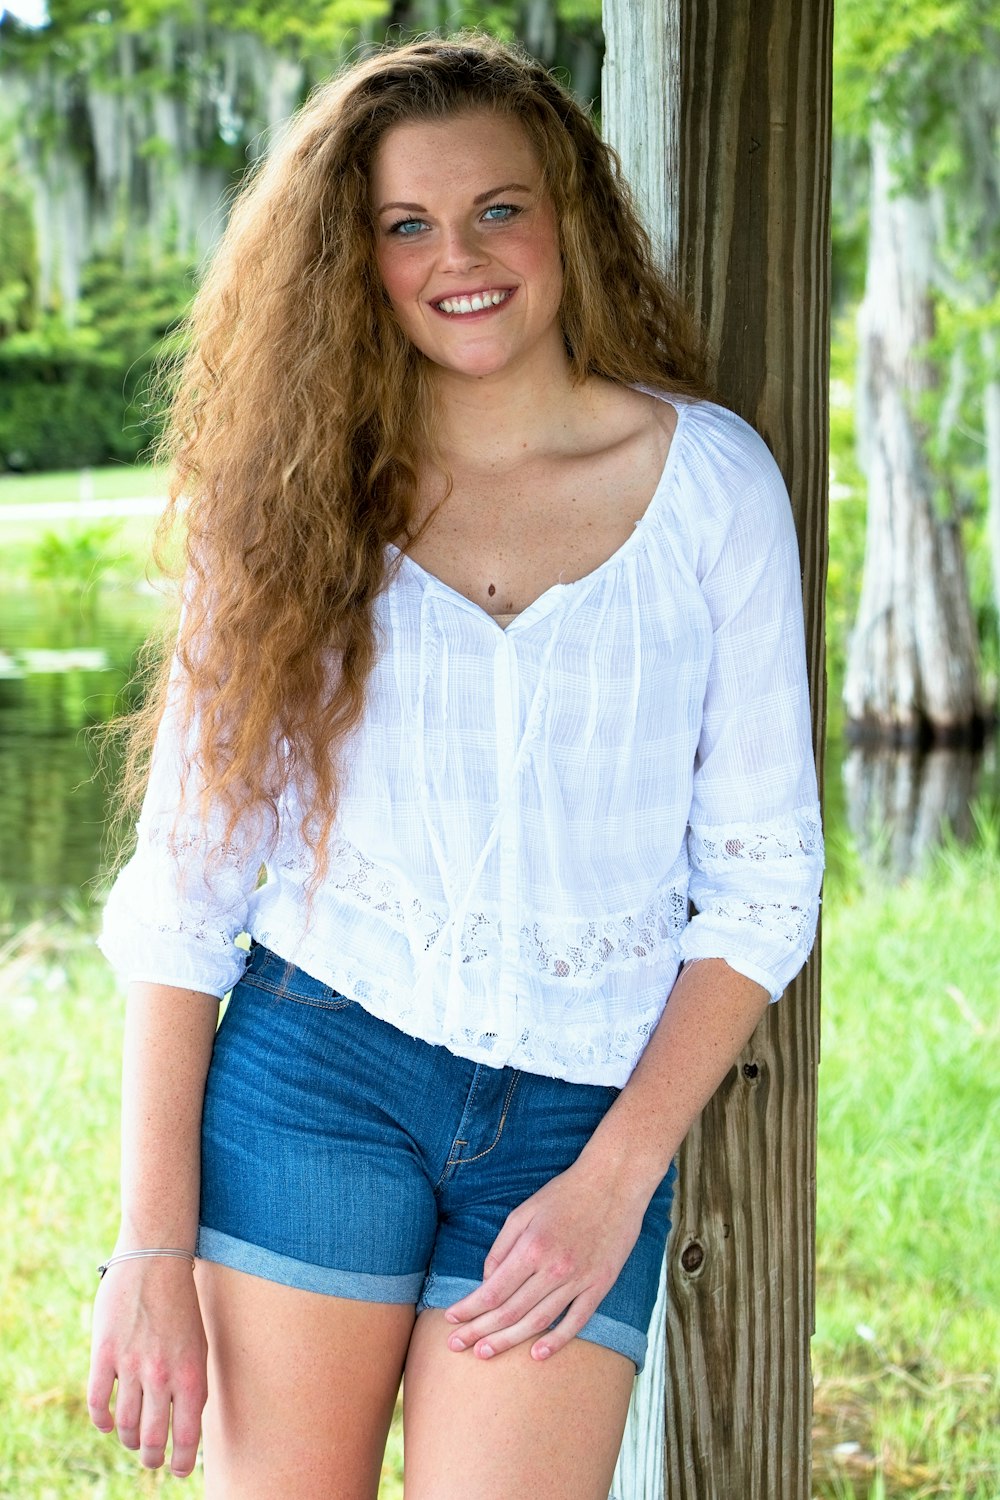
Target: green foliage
(62,407)
(927,69)
(79,397)
(74,559)
(17,252)
(895,59)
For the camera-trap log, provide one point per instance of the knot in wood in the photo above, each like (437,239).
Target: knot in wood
(751,1072)
(693,1257)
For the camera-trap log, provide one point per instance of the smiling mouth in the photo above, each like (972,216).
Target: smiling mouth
(457,307)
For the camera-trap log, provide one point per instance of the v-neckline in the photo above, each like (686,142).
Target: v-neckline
(547,598)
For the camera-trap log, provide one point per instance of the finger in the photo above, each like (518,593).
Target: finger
(513,1227)
(128,1410)
(492,1293)
(577,1316)
(190,1393)
(155,1421)
(528,1295)
(538,1321)
(99,1387)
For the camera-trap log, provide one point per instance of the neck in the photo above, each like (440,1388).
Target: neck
(497,419)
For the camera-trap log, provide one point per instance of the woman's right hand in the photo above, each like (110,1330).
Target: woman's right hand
(148,1335)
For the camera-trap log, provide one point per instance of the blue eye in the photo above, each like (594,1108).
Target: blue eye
(498,212)
(407,227)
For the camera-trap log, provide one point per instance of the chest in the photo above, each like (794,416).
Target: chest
(503,539)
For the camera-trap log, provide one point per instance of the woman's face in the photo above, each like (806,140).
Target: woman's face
(468,244)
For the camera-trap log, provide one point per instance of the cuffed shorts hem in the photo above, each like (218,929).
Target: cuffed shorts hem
(442,1291)
(239,1255)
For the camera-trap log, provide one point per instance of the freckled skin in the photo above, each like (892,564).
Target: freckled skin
(443,243)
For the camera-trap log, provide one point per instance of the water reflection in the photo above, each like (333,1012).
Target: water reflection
(54,805)
(900,803)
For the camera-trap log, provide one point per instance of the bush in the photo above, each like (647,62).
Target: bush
(67,410)
(83,396)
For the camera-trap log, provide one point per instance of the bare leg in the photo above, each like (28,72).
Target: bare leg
(503,1428)
(301,1389)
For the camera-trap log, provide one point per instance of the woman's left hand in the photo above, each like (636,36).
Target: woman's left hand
(559,1252)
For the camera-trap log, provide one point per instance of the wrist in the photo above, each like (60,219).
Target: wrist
(177,1232)
(147,1256)
(611,1159)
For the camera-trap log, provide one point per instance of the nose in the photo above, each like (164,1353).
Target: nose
(462,249)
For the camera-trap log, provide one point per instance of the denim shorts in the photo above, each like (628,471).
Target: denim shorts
(342,1156)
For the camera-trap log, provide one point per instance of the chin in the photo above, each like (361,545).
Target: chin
(471,369)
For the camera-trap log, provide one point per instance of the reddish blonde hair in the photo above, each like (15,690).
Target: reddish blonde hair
(302,414)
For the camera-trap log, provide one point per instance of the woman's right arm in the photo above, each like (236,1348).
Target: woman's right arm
(147,1331)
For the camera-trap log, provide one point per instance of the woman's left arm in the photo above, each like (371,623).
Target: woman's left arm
(565,1245)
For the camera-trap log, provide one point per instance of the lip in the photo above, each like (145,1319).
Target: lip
(453,294)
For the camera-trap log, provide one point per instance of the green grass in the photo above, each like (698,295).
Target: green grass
(119,482)
(908,1281)
(908,1293)
(129,537)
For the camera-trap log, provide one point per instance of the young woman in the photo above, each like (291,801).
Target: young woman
(491,659)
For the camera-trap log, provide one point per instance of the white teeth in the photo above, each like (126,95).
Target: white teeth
(458,305)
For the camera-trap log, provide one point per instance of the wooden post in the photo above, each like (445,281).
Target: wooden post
(740,96)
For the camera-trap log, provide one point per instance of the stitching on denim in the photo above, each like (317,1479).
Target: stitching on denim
(342,1004)
(282,992)
(453,1160)
(466,1160)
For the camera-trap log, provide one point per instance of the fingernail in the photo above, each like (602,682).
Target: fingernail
(451,1317)
(485,1351)
(541,1351)
(456,1343)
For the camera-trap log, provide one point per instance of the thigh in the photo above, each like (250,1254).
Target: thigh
(511,1426)
(302,1387)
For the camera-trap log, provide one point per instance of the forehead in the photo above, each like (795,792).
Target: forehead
(472,152)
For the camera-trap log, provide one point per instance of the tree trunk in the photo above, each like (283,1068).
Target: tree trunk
(991,409)
(720,110)
(912,661)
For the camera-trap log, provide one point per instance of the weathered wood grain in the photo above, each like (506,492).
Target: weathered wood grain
(743,218)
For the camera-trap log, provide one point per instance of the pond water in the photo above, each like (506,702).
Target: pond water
(64,672)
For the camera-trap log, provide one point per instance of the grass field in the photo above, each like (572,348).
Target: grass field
(908,1297)
(121,543)
(115,482)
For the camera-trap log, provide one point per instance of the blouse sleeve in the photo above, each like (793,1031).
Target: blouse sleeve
(183,898)
(754,838)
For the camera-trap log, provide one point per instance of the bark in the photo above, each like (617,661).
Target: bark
(991,411)
(912,662)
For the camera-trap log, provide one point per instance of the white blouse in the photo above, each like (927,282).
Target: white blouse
(527,813)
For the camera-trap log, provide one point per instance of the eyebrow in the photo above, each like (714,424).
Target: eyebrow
(418,208)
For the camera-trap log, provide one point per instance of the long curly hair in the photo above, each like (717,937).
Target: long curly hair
(302,415)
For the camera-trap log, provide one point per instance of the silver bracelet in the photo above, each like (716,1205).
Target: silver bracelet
(141,1254)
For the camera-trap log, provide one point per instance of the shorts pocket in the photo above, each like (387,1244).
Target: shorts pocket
(283,980)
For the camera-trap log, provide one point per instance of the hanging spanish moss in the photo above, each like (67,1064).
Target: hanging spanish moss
(132,140)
